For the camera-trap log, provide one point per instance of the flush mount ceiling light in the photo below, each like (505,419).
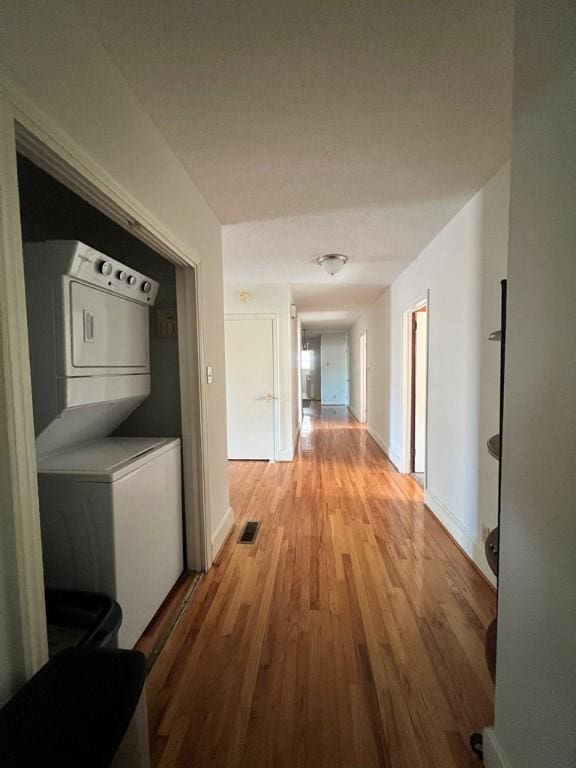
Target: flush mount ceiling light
(332,262)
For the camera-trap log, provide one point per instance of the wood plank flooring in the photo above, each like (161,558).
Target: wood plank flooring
(159,628)
(349,635)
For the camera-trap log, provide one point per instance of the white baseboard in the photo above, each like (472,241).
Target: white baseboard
(296,438)
(378,439)
(222,532)
(286,454)
(494,756)
(473,548)
(353,412)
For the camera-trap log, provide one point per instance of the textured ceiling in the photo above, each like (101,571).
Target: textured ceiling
(316,304)
(380,243)
(282,110)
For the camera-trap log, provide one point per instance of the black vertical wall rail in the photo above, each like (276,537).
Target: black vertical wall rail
(503,300)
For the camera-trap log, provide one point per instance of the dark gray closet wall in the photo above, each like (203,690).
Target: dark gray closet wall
(50,211)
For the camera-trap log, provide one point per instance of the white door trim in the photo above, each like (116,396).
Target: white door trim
(26,129)
(43,142)
(423,301)
(196,467)
(276,393)
(19,516)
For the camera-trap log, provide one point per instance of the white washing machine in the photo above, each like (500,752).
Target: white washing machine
(110,508)
(112,523)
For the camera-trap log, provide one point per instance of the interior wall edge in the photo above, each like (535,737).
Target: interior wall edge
(470,545)
(23,640)
(220,535)
(493,753)
(383,445)
(56,152)
(353,411)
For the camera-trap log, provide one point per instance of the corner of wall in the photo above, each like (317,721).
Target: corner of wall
(221,533)
(494,756)
(463,537)
(286,454)
(297,438)
(382,444)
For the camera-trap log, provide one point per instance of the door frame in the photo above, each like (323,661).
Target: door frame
(25,129)
(275,365)
(407,369)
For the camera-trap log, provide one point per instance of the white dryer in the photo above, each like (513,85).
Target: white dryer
(89,343)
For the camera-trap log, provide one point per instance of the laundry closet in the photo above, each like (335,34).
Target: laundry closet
(102,326)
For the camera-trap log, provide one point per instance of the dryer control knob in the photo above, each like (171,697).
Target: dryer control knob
(146,286)
(105,267)
(131,280)
(121,275)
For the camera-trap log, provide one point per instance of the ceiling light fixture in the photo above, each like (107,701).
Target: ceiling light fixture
(332,262)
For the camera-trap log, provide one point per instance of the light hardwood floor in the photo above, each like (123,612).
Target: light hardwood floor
(350,635)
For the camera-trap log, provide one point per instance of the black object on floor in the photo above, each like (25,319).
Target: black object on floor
(477,744)
(78,619)
(74,712)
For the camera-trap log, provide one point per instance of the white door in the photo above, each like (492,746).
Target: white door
(250,387)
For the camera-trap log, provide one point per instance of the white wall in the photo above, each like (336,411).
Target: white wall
(421,372)
(316,373)
(536,670)
(274,299)
(295,373)
(50,57)
(334,362)
(461,268)
(376,323)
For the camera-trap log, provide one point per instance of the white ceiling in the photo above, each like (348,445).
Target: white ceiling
(358,127)
(380,243)
(316,304)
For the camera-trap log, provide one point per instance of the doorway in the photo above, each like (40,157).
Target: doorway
(251,399)
(310,367)
(419,332)
(414,458)
(132,348)
(334,358)
(363,379)
(306,357)
(20,503)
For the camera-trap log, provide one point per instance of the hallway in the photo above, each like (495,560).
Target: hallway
(350,634)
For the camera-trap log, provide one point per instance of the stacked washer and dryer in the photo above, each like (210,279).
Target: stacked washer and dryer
(110,507)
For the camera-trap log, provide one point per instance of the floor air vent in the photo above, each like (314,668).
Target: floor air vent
(248,535)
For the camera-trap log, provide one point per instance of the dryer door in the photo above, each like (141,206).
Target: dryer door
(108,332)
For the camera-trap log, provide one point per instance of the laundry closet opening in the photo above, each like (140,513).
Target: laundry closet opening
(105,367)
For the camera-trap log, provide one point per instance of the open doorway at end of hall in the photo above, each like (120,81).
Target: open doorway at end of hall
(311,371)
(416,356)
